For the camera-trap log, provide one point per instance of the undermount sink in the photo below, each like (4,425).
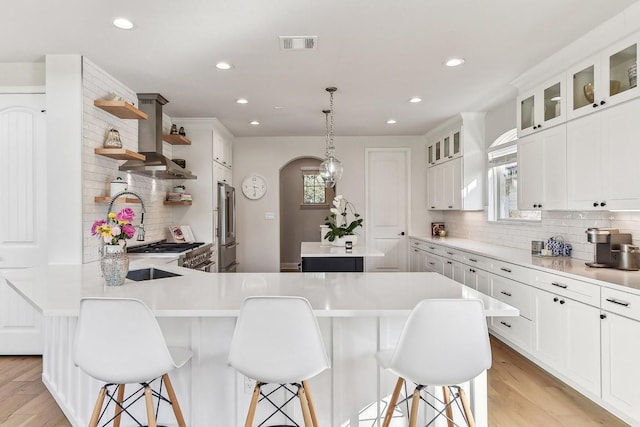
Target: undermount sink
(149,274)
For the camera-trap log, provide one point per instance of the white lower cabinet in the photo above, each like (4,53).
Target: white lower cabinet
(620,350)
(586,334)
(567,338)
(620,374)
(476,279)
(417,260)
(435,264)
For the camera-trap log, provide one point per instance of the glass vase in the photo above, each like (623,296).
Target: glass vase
(114,264)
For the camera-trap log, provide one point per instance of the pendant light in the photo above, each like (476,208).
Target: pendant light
(331,168)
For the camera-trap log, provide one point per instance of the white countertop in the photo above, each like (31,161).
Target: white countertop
(56,291)
(565,266)
(316,249)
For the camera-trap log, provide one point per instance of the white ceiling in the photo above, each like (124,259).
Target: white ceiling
(378,53)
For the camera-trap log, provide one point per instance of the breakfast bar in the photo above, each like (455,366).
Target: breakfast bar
(358,313)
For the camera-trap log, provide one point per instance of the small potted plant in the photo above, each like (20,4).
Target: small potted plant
(342,222)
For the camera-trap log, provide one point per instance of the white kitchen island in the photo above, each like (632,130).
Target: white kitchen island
(358,313)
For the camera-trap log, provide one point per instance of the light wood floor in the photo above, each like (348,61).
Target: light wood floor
(520,394)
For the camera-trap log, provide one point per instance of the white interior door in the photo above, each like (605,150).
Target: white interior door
(387,190)
(22,214)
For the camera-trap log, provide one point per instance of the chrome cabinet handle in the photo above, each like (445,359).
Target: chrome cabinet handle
(505,269)
(506,324)
(560,285)
(615,301)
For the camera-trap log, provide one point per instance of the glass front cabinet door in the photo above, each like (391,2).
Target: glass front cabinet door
(542,107)
(603,80)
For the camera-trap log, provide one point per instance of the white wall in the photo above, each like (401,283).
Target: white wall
(259,237)
(22,77)
(64,158)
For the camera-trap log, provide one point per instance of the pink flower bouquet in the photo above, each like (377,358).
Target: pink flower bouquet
(116,228)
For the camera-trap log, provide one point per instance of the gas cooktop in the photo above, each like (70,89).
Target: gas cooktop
(163,248)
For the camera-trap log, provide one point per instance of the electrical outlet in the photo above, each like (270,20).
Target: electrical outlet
(248,385)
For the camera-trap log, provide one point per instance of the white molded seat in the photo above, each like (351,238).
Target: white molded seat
(443,343)
(119,341)
(277,340)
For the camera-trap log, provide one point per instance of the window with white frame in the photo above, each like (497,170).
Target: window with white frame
(314,192)
(503,181)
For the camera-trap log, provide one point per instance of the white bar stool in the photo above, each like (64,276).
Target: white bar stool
(277,341)
(444,342)
(118,341)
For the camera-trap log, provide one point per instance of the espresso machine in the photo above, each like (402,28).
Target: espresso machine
(607,244)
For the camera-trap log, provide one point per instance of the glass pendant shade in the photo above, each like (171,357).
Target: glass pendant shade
(331,171)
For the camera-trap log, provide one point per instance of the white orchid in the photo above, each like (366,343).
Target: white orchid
(337,220)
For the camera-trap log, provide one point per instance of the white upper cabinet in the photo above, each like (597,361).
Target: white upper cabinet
(603,80)
(602,159)
(542,172)
(542,107)
(456,160)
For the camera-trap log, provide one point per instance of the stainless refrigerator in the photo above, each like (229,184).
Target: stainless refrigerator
(227,229)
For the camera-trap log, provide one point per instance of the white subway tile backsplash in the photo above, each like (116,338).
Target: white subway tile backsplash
(570,225)
(99,171)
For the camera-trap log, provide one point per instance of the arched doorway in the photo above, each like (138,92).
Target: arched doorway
(304,204)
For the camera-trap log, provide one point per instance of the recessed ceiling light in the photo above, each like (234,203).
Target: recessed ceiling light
(123,23)
(415,99)
(454,62)
(278,107)
(254,122)
(242,101)
(223,66)
(391,122)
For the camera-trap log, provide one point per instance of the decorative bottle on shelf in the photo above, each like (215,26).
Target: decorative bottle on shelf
(112,140)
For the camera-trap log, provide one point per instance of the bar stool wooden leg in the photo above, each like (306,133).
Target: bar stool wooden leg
(252,407)
(415,403)
(446,396)
(467,409)
(118,410)
(93,422)
(151,416)
(304,403)
(174,401)
(391,407)
(312,409)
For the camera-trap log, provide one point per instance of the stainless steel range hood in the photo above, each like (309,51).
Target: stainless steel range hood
(156,164)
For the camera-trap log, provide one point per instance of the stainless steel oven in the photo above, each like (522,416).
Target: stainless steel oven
(197,256)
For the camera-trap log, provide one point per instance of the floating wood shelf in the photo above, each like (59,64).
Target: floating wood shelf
(172,203)
(176,139)
(121,109)
(119,154)
(118,200)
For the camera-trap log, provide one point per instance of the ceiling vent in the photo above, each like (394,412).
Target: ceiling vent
(298,42)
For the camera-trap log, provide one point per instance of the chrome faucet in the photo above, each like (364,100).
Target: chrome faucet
(140,237)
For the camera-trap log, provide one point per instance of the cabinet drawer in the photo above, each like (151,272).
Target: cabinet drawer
(476,261)
(418,244)
(622,303)
(516,329)
(454,254)
(512,271)
(512,293)
(587,293)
